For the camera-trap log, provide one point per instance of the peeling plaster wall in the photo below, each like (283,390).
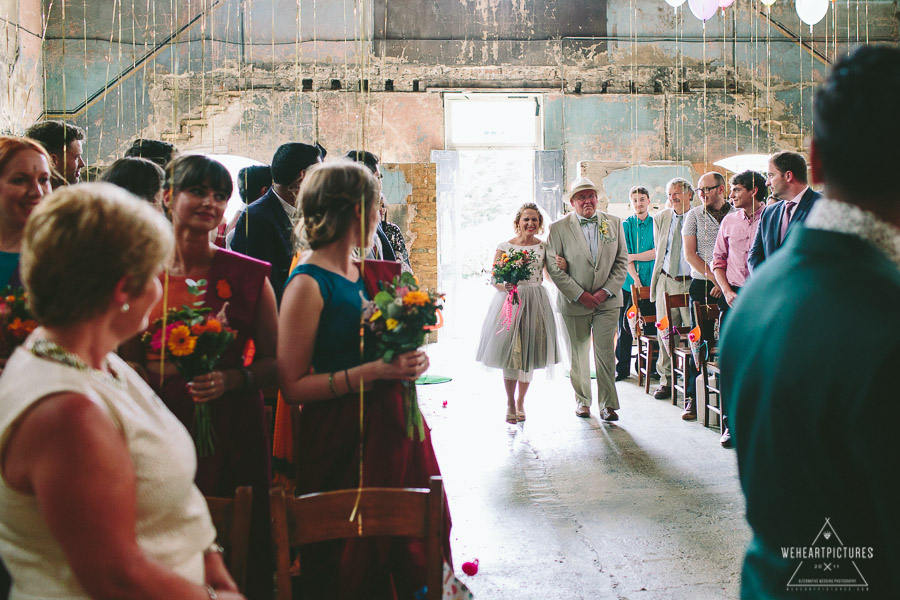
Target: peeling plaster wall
(21,94)
(618,85)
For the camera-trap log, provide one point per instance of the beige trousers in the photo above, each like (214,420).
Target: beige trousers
(679,317)
(602,324)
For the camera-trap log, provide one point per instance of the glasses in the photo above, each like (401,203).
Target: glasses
(706,190)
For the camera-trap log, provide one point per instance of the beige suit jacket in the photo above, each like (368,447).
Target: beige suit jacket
(661,223)
(584,274)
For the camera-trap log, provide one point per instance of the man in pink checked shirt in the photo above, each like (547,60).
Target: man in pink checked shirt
(736,234)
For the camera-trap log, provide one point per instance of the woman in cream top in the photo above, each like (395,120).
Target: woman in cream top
(96,496)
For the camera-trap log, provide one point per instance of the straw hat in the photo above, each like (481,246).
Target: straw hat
(581,184)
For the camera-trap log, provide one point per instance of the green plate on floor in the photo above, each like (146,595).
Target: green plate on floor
(430,379)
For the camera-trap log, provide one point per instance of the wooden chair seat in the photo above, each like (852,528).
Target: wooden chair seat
(402,512)
(231,518)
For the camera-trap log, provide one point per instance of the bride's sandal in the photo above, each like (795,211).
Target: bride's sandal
(520,416)
(511,417)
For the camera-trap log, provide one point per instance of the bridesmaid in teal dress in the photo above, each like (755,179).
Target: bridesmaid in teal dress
(322,368)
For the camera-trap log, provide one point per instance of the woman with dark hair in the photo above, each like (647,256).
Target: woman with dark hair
(528,339)
(141,177)
(197,190)
(395,237)
(321,367)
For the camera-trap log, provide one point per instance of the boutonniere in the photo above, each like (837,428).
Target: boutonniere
(605,230)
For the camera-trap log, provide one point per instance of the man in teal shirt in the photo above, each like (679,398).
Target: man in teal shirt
(639,240)
(809,382)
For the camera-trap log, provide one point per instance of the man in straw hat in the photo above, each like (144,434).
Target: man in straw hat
(593,246)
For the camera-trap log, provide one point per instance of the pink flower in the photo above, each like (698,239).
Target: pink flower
(402,291)
(156,342)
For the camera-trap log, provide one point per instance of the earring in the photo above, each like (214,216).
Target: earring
(125,308)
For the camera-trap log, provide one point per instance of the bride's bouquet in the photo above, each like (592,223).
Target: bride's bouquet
(398,316)
(512,267)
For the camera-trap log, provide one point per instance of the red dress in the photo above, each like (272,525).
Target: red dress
(329,438)
(242,452)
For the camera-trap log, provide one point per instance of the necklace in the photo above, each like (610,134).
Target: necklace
(43,348)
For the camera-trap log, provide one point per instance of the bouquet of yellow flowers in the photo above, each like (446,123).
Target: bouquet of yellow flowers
(15,319)
(512,267)
(193,340)
(398,316)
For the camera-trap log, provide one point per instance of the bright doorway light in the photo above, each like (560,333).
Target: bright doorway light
(234,164)
(492,120)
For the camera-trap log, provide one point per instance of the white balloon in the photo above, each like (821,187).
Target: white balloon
(674,3)
(812,11)
(703,9)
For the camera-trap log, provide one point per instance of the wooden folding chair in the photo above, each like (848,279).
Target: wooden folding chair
(400,512)
(679,353)
(648,343)
(710,400)
(231,517)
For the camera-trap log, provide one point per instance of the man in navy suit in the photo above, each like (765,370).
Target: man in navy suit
(786,179)
(263,230)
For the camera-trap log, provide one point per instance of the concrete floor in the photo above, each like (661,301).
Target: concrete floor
(562,507)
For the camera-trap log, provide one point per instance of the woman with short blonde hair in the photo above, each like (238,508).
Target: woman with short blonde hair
(97,497)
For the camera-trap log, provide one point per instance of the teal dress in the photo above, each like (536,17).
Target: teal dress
(337,337)
(328,443)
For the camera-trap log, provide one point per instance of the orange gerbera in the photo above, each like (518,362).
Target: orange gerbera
(416,298)
(223,289)
(181,342)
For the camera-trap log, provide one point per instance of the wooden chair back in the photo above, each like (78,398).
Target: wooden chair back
(401,512)
(231,517)
(648,344)
(710,400)
(706,315)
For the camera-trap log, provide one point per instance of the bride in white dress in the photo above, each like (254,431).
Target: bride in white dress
(529,341)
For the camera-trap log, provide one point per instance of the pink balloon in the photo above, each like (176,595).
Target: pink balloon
(703,9)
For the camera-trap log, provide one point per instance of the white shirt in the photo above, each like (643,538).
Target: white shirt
(289,210)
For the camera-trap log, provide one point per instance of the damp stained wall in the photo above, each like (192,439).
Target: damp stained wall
(623,80)
(21,82)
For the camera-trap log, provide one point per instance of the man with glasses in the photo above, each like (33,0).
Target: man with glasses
(593,244)
(701,226)
(786,178)
(671,272)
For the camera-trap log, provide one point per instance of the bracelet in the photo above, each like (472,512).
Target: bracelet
(347,377)
(214,548)
(211,592)
(331,384)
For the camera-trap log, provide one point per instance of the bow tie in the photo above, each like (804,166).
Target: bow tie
(584,221)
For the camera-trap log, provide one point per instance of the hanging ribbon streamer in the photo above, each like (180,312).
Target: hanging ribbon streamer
(511,298)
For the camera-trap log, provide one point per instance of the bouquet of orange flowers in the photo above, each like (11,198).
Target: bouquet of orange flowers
(398,316)
(15,319)
(193,340)
(512,267)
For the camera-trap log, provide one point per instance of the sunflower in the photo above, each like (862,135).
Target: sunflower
(416,298)
(181,342)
